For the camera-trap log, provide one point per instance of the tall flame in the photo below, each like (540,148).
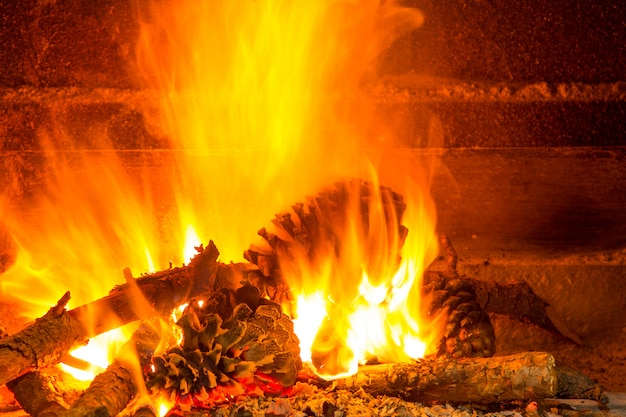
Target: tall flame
(358,281)
(261,101)
(264,100)
(267,99)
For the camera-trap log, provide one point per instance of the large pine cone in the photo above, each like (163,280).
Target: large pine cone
(468,333)
(314,232)
(234,343)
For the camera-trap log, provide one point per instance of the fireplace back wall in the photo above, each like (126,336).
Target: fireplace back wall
(522,105)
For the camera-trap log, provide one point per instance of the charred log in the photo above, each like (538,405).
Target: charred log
(515,299)
(155,294)
(575,384)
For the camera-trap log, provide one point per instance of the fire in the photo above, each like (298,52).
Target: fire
(263,99)
(192,241)
(269,98)
(260,100)
(98,353)
(356,301)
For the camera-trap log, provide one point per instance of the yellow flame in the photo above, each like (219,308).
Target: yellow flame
(192,241)
(77,232)
(315,307)
(163,406)
(260,100)
(99,352)
(263,99)
(362,304)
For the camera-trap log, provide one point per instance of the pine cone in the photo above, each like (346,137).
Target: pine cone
(311,231)
(468,331)
(236,342)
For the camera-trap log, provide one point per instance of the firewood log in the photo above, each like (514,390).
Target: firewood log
(41,343)
(157,293)
(45,393)
(530,375)
(46,340)
(111,391)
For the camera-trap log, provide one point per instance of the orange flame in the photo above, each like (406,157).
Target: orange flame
(264,99)
(355,301)
(99,352)
(260,100)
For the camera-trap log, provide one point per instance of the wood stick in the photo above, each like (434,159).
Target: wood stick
(44,342)
(154,294)
(530,375)
(516,300)
(111,391)
(40,344)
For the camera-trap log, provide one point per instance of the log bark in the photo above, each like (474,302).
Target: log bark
(44,342)
(155,294)
(45,393)
(41,343)
(530,375)
(111,391)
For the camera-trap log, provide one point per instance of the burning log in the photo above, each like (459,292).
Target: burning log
(44,342)
(160,292)
(111,391)
(41,343)
(530,375)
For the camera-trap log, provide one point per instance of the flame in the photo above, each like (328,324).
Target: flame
(355,301)
(163,405)
(99,352)
(259,100)
(269,97)
(263,99)
(192,241)
(78,231)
